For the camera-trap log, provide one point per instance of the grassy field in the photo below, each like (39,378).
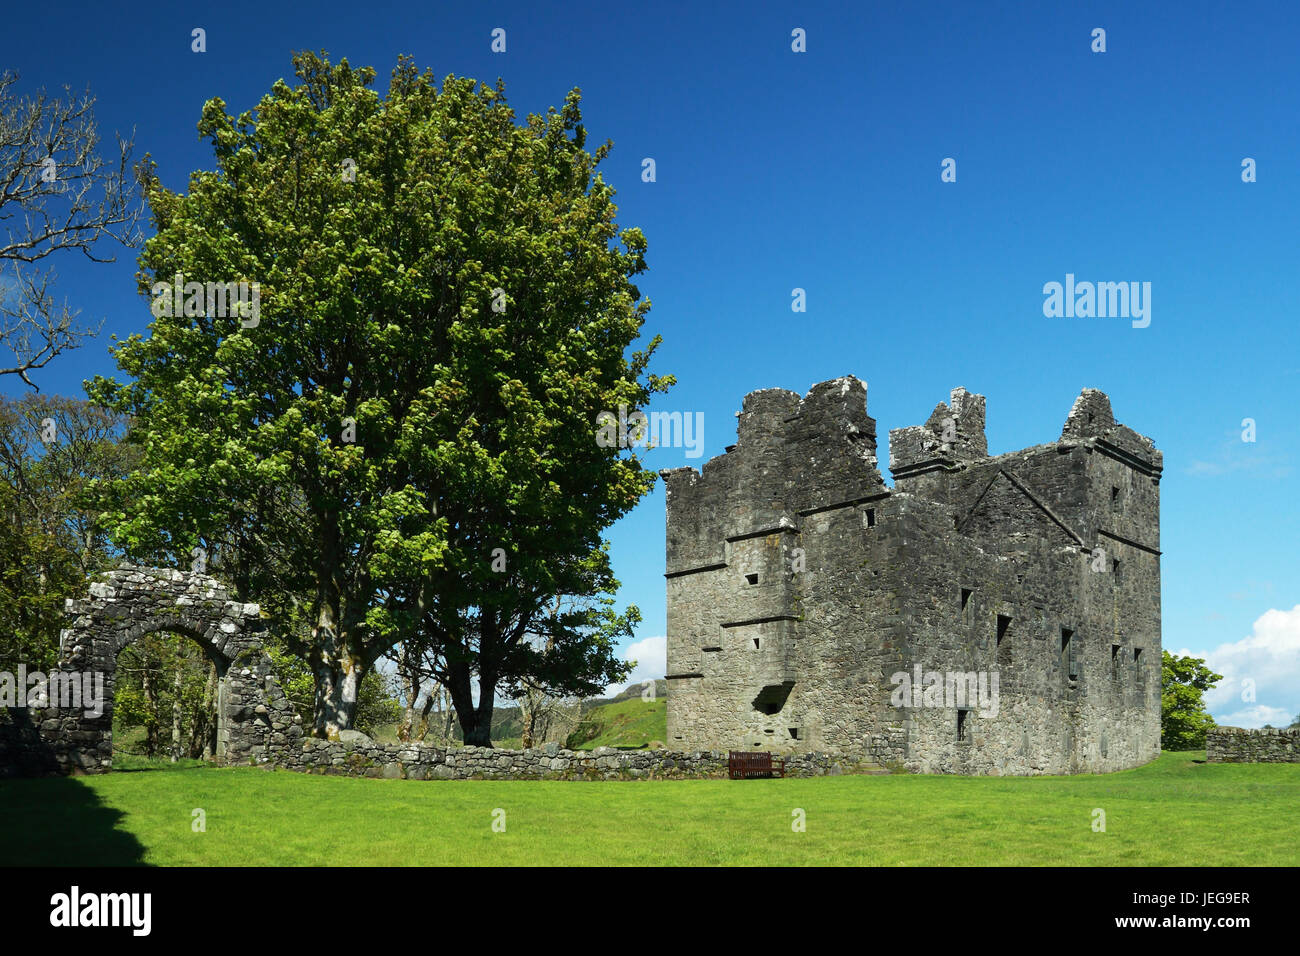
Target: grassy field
(1176,811)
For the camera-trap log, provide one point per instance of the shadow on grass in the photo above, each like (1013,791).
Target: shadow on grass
(134,763)
(60,821)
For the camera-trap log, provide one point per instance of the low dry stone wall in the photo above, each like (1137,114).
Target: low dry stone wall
(358,758)
(1265,745)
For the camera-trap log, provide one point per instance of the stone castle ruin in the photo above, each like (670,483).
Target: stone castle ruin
(985,615)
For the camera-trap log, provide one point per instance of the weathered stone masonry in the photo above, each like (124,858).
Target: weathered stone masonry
(551,762)
(1263,745)
(799,584)
(253,713)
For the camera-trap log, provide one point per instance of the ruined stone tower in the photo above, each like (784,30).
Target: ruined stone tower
(805,597)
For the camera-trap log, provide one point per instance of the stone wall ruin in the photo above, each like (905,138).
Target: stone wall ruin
(1260,745)
(253,715)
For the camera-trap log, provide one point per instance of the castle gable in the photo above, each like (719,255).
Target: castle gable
(1008,510)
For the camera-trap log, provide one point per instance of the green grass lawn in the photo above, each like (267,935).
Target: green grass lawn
(1176,811)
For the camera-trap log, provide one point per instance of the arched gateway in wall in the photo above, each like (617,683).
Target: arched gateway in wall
(253,713)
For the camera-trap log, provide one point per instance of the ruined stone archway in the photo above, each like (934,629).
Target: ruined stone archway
(253,714)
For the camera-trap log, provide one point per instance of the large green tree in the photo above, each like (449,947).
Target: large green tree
(446,306)
(1183,718)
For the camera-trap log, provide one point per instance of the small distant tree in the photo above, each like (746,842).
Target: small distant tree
(439,716)
(1183,718)
(546,717)
(1295,723)
(549,707)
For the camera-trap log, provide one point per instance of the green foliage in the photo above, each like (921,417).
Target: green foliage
(50,538)
(570,651)
(1183,718)
(147,699)
(376,704)
(435,340)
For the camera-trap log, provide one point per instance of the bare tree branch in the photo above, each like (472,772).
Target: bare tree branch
(57,193)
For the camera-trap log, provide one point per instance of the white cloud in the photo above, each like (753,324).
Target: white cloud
(651,656)
(1270,658)
(1256,715)
(1234,455)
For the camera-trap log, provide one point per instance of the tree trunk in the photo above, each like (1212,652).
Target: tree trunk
(204,727)
(449,716)
(410,690)
(475,722)
(177,684)
(424,714)
(528,717)
(336,669)
(151,709)
(336,696)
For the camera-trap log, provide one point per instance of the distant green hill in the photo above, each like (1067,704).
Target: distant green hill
(635,691)
(628,723)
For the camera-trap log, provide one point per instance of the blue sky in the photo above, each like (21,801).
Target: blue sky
(821,170)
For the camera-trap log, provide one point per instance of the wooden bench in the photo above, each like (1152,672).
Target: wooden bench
(748,764)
